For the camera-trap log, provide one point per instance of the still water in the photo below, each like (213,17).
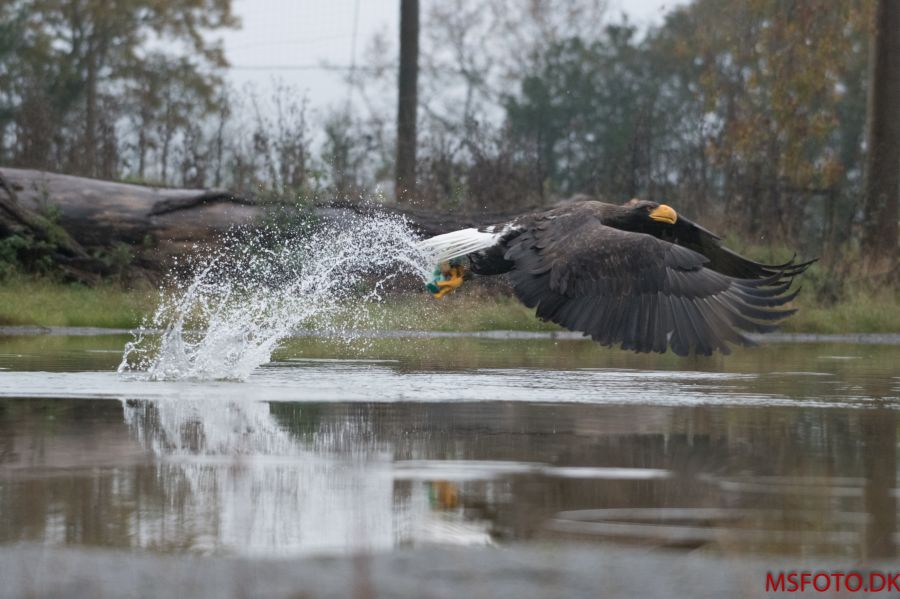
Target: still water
(334,447)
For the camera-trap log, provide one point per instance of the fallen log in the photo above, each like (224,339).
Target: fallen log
(15,218)
(99,213)
(87,217)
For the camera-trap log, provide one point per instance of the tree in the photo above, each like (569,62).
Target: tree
(407,102)
(882,187)
(10,40)
(76,56)
(775,83)
(588,110)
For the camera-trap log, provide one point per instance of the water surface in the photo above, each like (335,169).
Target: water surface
(380,443)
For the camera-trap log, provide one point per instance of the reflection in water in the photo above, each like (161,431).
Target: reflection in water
(246,484)
(880,442)
(250,477)
(215,469)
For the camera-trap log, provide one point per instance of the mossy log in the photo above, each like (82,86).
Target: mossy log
(97,213)
(86,218)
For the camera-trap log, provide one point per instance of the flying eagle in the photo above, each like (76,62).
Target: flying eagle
(638,275)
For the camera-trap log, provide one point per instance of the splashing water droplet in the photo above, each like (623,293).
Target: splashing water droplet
(247,296)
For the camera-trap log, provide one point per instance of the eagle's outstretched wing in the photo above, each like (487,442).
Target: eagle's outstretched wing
(689,234)
(637,290)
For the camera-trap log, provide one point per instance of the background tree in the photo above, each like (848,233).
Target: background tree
(586,111)
(749,113)
(775,91)
(73,58)
(882,189)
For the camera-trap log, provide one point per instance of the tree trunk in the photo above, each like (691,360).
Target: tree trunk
(882,187)
(99,214)
(407,100)
(142,152)
(85,156)
(164,156)
(91,217)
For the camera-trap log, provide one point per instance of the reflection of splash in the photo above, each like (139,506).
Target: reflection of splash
(247,297)
(248,486)
(237,481)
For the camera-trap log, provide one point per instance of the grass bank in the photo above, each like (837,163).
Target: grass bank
(27,301)
(873,311)
(43,302)
(861,312)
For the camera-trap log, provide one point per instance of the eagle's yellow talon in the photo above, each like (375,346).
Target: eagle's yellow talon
(453,278)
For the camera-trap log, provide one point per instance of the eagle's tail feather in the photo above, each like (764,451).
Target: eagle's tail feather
(458,243)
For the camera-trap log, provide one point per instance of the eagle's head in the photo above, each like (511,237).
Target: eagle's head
(643,216)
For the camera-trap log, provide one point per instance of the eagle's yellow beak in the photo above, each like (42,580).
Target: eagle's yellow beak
(664,214)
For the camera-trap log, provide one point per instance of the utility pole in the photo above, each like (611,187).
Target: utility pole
(407,100)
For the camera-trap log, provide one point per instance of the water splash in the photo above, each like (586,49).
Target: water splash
(247,296)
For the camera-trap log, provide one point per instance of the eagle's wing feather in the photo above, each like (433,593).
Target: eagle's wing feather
(689,234)
(637,290)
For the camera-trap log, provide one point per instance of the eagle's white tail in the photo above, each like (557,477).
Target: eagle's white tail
(458,243)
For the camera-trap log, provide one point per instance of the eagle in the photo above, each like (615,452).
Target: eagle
(636,275)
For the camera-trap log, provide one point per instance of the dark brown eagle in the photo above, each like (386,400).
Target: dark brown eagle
(638,275)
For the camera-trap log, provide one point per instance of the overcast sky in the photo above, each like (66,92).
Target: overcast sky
(290,39)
